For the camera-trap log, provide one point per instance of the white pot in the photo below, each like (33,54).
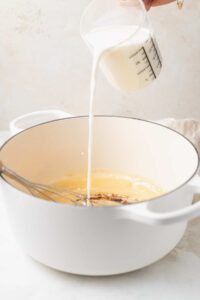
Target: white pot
(101,240)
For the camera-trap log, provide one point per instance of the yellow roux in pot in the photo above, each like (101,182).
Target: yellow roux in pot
(108,188)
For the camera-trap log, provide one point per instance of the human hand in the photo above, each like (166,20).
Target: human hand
(149,3)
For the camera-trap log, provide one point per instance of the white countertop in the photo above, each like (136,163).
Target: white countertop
(177,276)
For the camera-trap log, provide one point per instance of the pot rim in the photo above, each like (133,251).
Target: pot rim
(106,116)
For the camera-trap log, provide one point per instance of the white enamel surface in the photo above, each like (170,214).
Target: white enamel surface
(4,135)
(177,274)
(34,118)
(120,144)
(147,216)
(21,276)
(88,240)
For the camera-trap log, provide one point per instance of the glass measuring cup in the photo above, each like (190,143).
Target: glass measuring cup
(121,33)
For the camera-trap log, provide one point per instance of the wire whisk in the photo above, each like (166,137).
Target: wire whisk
(47,192)
(52,193)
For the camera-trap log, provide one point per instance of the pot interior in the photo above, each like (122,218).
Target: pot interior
(47,152)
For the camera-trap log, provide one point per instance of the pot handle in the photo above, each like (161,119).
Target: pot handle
(141,213)
(4,136)
(34,118)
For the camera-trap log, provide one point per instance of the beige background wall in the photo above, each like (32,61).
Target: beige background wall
(44,64)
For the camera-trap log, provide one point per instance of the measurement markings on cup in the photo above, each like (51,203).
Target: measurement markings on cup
(156,53)
(148,60)
(144,61)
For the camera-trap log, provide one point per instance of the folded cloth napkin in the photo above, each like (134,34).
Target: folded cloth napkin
(188,127)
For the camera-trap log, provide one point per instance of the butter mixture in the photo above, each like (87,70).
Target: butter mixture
(109,189)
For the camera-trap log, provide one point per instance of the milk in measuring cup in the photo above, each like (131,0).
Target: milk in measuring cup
(130,58)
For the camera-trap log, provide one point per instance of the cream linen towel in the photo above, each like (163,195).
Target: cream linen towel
(188,127)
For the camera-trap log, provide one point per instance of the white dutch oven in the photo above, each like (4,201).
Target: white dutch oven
(101,240)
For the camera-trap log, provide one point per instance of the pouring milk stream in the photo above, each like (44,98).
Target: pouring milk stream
(119,35)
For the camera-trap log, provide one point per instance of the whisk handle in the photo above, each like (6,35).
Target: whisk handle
(5,171)
(12,175)
(2,168)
